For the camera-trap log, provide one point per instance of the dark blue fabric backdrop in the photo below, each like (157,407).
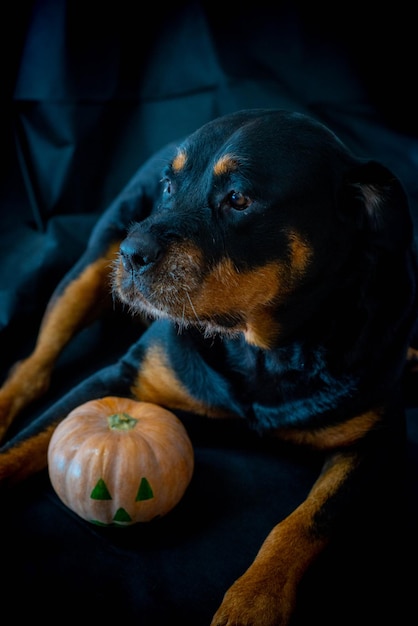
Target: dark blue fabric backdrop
(89,91)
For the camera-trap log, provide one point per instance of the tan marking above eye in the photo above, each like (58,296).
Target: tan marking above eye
(179,160)
(227,163)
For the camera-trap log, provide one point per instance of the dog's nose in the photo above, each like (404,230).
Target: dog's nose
(139,250)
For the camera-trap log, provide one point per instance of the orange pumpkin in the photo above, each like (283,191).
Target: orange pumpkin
(116,461)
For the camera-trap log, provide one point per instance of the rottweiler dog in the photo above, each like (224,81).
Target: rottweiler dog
(278,276)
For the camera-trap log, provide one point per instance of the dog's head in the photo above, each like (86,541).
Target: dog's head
(259,212)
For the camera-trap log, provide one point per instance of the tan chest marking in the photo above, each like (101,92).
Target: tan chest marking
(157,383)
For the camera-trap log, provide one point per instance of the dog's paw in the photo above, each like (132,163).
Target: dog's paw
(251,602)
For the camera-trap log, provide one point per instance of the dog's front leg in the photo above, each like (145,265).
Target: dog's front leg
(76,302)
(265,595)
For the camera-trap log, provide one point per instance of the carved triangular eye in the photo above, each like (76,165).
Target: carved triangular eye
(100,491)
(145,491)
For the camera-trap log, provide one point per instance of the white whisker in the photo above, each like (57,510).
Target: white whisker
(191,304)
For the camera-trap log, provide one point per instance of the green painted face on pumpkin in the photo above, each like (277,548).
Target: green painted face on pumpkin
(101,492)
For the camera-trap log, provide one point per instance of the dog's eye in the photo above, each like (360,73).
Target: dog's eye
(167,186)
(237,200)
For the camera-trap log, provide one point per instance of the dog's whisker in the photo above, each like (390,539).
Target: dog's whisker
(192,307)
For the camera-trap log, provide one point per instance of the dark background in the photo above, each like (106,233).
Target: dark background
(89,91)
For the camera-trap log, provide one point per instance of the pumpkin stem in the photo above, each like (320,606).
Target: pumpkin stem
(121,421)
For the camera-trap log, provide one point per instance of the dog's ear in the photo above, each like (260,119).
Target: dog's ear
(374,198)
